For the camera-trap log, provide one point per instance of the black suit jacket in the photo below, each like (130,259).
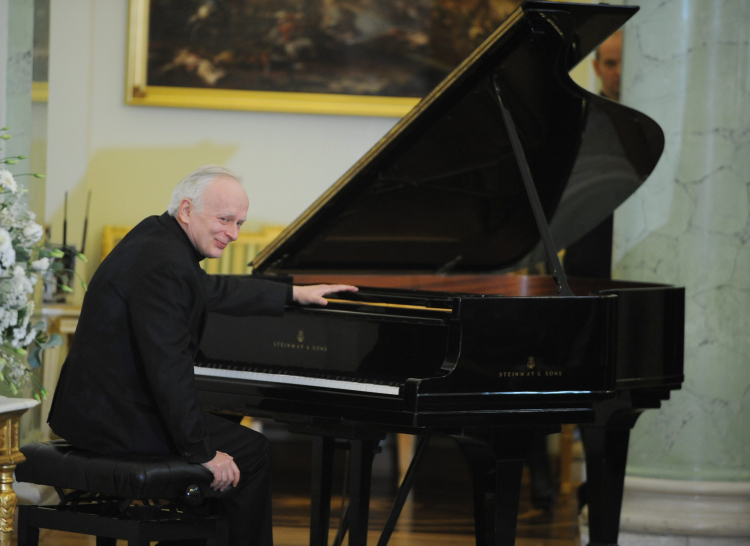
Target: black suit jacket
(127,383)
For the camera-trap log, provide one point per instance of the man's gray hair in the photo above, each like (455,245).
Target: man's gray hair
(194,185)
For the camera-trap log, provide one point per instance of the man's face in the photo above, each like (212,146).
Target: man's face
(218,222)
(607,66)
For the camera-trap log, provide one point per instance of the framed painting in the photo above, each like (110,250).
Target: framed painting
(347,57)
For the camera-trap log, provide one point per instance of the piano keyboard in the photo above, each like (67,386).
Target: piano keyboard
(298,380)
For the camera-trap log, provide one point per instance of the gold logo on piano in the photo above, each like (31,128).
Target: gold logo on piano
(300,344)
(530,371)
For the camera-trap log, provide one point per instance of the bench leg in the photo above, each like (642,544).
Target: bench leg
(27,535)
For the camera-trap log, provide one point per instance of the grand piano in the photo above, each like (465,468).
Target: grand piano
(505,163)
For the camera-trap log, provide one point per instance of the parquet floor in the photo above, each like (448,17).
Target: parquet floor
(439,511)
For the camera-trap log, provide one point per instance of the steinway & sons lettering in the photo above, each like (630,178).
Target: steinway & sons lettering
(532,373)
(300,346)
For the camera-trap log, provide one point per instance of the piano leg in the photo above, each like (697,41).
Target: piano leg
(362,450)
(322,477)
(606,447)
(362,454)
(496,462)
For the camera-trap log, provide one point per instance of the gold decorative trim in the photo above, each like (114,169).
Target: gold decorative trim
(9,438)
(39,91)
(137,47)
(8,501)
(10,456)
(111,236)
(266,101)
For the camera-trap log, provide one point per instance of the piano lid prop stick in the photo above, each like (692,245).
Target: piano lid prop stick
(549,245)
(86,223)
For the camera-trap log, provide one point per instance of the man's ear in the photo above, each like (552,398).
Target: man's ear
(184,210)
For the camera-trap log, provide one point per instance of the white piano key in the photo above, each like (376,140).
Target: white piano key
(298,380)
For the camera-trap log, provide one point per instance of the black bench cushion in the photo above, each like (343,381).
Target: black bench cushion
(132,475)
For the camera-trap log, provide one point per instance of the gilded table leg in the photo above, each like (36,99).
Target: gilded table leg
(7,503)
(10,456)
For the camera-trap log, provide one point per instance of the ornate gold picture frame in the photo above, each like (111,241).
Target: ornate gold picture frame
(345,57)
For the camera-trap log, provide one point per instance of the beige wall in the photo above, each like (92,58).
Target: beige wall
(131,157)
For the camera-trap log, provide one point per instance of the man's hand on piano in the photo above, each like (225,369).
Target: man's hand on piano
(305,295)
(225,471)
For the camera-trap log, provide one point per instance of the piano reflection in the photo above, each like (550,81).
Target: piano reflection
(490,172)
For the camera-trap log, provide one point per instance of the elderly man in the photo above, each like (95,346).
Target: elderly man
(127,384)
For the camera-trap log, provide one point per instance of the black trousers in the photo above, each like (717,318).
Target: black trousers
(249,512)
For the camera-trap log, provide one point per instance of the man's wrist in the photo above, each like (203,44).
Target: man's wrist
(211,458)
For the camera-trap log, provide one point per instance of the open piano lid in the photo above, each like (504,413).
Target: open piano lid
(442,191)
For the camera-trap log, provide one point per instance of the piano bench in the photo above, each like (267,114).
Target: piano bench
(135,497)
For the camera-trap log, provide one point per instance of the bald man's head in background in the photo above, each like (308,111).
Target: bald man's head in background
(607,65)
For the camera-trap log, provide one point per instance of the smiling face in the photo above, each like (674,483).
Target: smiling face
(218,222)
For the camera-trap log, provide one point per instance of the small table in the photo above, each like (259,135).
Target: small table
(11,410)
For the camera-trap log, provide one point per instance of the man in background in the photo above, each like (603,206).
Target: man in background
(607,63)
(127,384)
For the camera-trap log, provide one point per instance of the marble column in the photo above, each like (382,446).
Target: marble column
(687,65)
(16,48)
(17,31)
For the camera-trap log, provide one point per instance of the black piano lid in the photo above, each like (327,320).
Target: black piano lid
(442,191)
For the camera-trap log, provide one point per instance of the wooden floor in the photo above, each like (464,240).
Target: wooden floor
(438,513)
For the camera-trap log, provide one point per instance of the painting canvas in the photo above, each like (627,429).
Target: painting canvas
(364,52)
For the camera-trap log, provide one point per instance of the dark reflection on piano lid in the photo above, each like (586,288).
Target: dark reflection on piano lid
(618,152)
(443,192)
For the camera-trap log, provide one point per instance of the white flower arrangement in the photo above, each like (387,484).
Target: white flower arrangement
(24,259)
